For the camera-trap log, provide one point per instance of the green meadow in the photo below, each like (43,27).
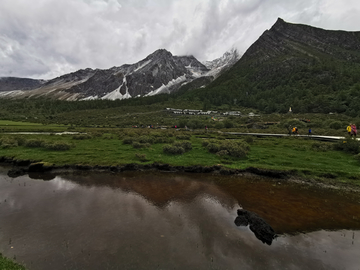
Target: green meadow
(336,162)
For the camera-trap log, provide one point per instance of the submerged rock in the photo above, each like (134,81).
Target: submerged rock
(258,226)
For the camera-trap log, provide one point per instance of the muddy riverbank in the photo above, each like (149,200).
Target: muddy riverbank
(23,167)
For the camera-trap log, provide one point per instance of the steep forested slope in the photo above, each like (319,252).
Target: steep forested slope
(307,68)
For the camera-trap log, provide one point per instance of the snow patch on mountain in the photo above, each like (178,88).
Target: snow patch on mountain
(116,93)
(165,88)
(195,72)
(142,65)
(90,98)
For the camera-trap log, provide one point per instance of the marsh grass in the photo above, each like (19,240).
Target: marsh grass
(302,156)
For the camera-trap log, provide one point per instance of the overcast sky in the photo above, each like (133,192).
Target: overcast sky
(48,38)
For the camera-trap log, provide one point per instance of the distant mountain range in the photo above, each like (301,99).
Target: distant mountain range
(291,65)
(160,72)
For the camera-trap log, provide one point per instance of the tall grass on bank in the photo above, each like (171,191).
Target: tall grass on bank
(302,156)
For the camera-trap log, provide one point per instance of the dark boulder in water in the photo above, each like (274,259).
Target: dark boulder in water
(258,226)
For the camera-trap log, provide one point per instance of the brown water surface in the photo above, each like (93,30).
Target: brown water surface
(158,220)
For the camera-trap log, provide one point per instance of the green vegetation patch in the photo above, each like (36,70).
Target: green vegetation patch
(303,157)
(7,264)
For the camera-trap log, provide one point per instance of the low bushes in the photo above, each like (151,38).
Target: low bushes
(128,140)
(349,145)
(164,140)
(34,143)
(146,140)
(141,145)
(336,125)
(172,149)
(183,137)
(57,146)
(7,142)
(184,144)
(141,157)
(321,146)
(177,148)
(82,137)
(235,148)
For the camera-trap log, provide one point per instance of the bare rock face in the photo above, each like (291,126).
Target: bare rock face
(13,83)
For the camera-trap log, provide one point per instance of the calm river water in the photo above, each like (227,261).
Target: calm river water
(159,220)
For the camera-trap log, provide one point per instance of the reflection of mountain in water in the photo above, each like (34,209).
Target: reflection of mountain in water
(158,188)
(287,207)
(258,226)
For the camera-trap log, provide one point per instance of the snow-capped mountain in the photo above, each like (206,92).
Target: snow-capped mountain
(220,64)
(160,72)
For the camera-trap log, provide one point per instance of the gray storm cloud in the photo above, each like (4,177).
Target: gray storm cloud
(48,38)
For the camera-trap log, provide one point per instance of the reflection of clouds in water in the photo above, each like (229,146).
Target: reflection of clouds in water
(333,249)
(117,228)
(62,184)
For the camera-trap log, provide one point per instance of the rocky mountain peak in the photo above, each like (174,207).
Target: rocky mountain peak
(160,53)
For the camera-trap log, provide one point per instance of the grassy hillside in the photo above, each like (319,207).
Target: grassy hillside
(306,68)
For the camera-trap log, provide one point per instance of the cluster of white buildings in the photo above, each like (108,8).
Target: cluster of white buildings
(200,112)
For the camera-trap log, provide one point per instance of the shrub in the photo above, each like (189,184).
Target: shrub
(164,140)
(96,134)
(233,148)
(184,144)
(183,137)
(128,140)
(321,147)
(228,123)
(349,145)
(146,139)
(222,153)
(57,146)
(108,136)
(207,142)
(82,137)
(174,150)
(213,147)
(141,157)
(141,145)
(219,125)
(249,139)
(336,125)
(236,148)
(20,140)
(34,143)
(196,124)
(6,142)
